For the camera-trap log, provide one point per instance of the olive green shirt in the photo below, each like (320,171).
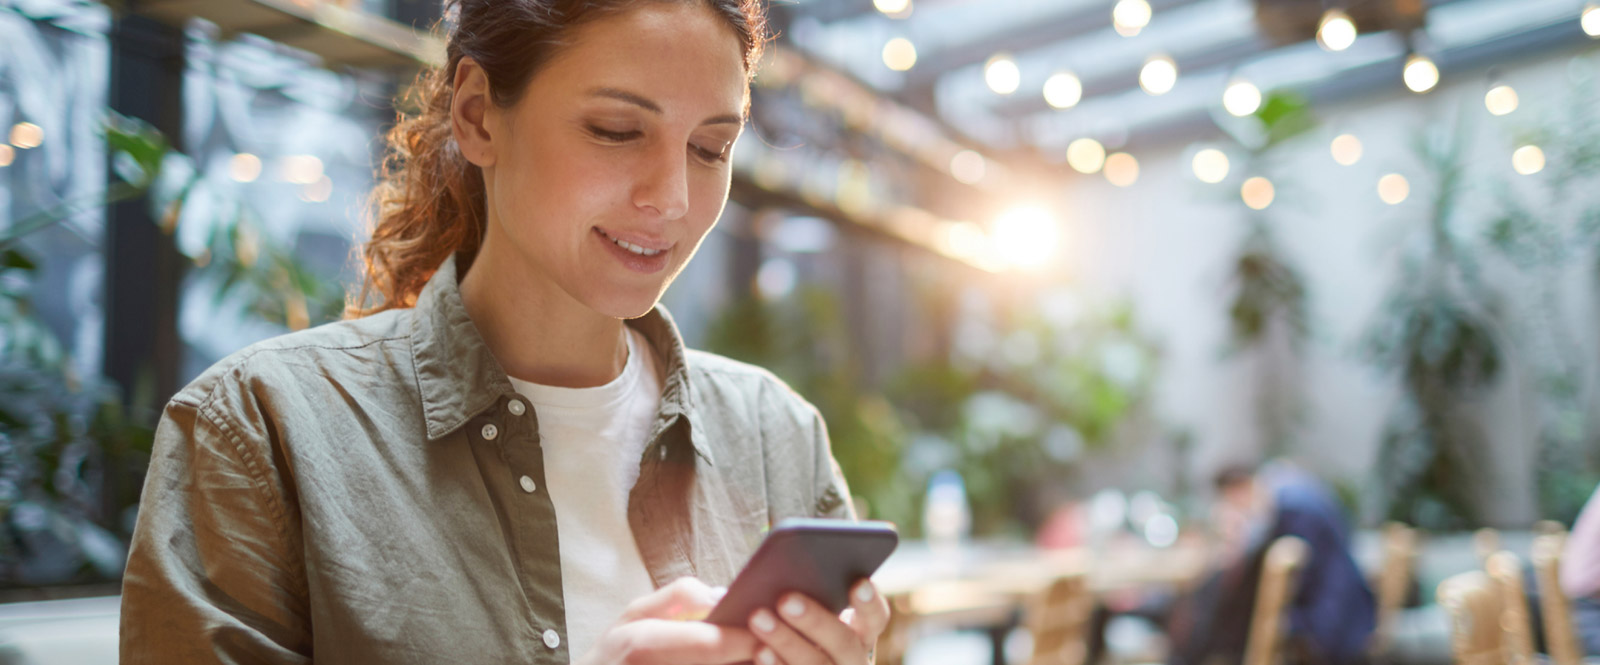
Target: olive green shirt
(354,493)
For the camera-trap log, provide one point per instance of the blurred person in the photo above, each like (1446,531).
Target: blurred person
(1333,612)
(1580,573)
(505,454)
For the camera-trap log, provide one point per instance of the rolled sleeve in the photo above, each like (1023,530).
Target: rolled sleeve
(213,575)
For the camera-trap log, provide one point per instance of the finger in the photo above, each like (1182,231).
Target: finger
(822,628)
(684,599)
(667,641)
(783,642)
(871,612)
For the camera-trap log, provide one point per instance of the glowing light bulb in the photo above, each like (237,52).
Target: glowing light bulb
(1590,20)
(1158,75)
(1528,160)
(26,135)
(1026,237)
(1122,169)
(1241,98)
(1063,90)
(899,54)
(1002,75)
(1210,165)
(244,167)
(7,155)
(892,7)
(1258,193)
(1128,17)
(968,167)
(1501,99)
(1393,188)
(1421,75)
(1086,155)
(1346,149)
(1336,32)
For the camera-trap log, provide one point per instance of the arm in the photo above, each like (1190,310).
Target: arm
(214,574)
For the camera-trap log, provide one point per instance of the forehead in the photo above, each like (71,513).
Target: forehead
(678,54)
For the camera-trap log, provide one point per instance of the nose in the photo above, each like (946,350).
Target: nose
(663,185)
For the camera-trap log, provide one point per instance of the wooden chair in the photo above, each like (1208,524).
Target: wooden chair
(1473,603)
(1560,634)
(1268,622)
(1505,569)
(1394,581)
(1058,618)
(1485,542)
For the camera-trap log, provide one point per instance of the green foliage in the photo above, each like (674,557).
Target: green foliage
(1266,288)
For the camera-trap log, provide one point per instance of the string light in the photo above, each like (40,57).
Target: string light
(1241,98)
(893,8)
(1346,149)
(1158,75)
(1258,193)
(7,155)
(1528,160)
(1336,32)
(1210,165)
(1086,155)
(1421,74)
(1128,17)
(1063,90)
(301,169)
(899,54)
(1002,75)
(1591,20)
(1122,169)
(318,191)
(26,135)
(244,167)
(967,167)
(1393,188)
(1501,99)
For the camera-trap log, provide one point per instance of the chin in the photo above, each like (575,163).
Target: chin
(626,306)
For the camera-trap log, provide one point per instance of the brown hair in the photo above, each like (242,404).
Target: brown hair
(429,201)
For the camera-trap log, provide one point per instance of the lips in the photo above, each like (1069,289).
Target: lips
(636,254)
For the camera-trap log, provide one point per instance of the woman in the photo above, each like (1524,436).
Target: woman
(509,456)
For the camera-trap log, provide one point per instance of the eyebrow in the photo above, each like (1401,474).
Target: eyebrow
(649,105)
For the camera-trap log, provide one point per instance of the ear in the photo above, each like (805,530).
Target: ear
(472,114)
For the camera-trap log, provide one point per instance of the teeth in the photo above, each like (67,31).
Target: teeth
(632,247)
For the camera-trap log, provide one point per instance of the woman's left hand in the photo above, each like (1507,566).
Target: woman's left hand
(801,632)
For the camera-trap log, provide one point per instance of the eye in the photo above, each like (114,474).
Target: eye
(718,155)
(612,136)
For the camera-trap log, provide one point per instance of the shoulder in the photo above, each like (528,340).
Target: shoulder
(295,360)
(720,381)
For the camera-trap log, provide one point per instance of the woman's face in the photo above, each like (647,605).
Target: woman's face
(612,167)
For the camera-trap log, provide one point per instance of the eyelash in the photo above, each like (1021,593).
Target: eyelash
(620,137)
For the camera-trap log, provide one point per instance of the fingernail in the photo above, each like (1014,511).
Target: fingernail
(766,657)
(764,622)
(864,593)
(793,607)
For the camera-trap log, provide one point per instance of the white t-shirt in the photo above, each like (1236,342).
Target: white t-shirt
(593,439)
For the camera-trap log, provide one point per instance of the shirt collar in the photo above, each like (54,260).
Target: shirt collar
(459,378)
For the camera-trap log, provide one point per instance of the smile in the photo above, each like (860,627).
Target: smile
(641,251)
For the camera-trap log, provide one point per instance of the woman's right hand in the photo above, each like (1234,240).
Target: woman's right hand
(664,628)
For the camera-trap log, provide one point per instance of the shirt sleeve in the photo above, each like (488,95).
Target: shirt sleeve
(1580,563)
(832,491)
(213,572)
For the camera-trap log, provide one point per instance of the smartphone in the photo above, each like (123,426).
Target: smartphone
(820,558)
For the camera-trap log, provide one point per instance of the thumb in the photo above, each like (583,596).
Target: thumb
(685,599)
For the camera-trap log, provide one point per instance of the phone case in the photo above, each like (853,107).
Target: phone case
(819,558)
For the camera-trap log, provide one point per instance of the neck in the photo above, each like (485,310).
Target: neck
(537,331)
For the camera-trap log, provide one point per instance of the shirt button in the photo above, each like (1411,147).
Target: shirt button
(490,431)
(516,407)
(551,639)
(527,485)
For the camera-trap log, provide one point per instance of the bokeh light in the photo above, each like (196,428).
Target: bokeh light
(1210,165)
(1063,90)
(1122,169)
(1528,160)
(1501,99)
(1128,17)
(244,167)
(26,135)
(1393,188)
(1346,149)
(895,8)
(1158,75)
(1002,75)
(1421,75)
(1241,98)
(1590,20)
(1336,32)
(7,155)
(899,54)
(1086,155)
(968,167)
(1258,193)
